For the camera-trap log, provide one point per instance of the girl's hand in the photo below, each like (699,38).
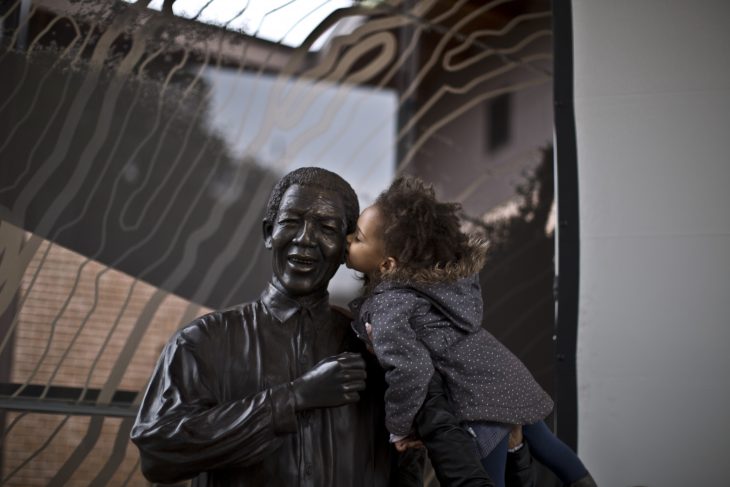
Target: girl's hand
(369,331)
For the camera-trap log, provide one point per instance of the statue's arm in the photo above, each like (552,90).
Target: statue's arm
(181,430)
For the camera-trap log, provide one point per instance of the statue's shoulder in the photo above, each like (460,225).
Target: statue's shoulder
(215,325)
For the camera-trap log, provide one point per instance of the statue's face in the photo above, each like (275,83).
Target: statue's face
(307,239)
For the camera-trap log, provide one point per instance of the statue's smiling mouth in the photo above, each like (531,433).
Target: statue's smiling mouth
(302,262)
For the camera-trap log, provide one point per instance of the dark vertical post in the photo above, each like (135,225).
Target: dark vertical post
(567,234)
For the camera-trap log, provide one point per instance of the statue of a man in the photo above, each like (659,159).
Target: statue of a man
(277,392)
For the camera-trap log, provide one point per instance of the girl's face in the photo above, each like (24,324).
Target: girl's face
(365,249)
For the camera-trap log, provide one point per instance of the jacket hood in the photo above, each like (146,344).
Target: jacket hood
(470,264)
(454,290)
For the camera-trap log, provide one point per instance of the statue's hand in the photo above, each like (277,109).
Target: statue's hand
(332,382)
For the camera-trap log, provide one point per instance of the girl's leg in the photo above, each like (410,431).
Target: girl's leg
(553,453)
(495,462)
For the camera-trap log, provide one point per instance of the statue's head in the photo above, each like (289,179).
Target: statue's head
(308,216)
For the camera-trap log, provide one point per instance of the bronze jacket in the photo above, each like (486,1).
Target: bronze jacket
(219,407)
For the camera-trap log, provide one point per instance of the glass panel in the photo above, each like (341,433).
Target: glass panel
(79,450)
(139,142)
(84,325)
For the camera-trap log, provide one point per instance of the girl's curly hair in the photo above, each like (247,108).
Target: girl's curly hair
(419,231)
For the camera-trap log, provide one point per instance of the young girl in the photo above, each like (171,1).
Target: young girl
(424,303)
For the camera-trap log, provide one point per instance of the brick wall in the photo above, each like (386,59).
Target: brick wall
(75,317)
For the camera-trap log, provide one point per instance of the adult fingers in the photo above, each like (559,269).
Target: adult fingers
(355,385)
(351,397)
(351,360)
(354,374)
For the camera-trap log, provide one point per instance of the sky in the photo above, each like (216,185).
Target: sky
(285,21)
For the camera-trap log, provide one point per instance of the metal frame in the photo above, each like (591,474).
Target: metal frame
(568,231)
(65,400)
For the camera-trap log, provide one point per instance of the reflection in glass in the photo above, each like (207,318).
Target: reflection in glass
(138,144)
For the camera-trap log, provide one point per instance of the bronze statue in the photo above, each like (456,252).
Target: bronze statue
(277,392)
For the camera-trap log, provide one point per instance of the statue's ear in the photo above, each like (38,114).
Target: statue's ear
(268,229)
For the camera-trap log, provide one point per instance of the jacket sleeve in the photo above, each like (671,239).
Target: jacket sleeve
(181,430)
(520,471)
(407,363)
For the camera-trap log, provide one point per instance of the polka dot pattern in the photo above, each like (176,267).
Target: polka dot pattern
(420,328)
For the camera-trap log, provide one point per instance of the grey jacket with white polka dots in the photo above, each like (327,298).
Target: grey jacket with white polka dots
(419,327)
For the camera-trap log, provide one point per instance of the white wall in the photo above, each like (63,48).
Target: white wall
(652,106)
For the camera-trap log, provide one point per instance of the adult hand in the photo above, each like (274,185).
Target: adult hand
(515,437)
(332,382)
(408,442)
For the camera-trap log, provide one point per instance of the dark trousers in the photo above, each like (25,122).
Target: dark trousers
(450,447)
(496,462)
(549,450)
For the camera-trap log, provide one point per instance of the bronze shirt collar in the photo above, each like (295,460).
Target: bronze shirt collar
(283,307)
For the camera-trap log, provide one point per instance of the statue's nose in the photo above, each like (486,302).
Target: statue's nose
(306,234)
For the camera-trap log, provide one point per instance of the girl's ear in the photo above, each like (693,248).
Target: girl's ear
(387,265)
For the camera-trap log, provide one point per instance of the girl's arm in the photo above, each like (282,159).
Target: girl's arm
(407,363)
